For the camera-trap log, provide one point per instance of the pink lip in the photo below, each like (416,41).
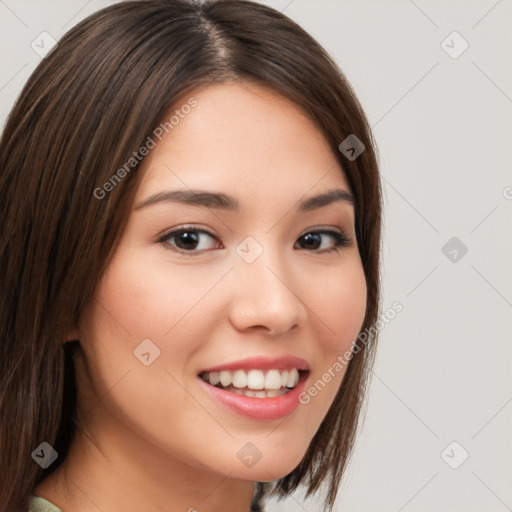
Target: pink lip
(259,408)
(262,363)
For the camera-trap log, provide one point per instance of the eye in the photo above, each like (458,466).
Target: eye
(189,239)
(313,240)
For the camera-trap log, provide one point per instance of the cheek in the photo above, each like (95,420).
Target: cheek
(148,297)
(136,301)
(140,299)
(340,307)
(129,307)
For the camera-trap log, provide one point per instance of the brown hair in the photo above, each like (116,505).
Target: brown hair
(87,107)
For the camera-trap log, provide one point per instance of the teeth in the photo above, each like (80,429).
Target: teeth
(258,394)
(273,379)
(239,379)
(257,383)
(293,378)
(255,379)
(225,378)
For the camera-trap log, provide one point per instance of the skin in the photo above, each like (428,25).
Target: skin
(166,444)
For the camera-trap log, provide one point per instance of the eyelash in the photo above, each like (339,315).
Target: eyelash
(340,239)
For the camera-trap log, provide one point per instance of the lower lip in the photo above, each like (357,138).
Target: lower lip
(272,408)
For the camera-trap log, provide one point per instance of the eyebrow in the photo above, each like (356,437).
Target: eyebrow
(222,201)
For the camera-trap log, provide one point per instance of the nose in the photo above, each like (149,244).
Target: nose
(266,296)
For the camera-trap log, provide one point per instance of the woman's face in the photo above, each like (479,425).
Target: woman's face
(255,288)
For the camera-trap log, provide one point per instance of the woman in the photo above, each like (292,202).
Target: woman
(191,217)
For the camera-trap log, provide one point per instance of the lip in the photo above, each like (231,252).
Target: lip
(258,408)
(262,363)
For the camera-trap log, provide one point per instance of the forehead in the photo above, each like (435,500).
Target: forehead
(241,137)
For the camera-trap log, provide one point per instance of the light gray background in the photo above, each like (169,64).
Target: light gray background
(443,126)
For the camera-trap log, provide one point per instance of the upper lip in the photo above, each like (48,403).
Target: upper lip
(262,363)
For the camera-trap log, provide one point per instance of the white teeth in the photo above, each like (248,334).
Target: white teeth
(225,378)
(239,379)
(255,382)
(293,378)
(214,378)
(255,379)
(273,379)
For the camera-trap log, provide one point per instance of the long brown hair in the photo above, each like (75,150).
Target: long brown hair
(89,105)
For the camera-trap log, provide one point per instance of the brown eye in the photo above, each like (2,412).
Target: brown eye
(189,240)
(314,241)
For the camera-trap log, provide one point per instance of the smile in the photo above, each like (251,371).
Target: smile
(254,383)
(259,388)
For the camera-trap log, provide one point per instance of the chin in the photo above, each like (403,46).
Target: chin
(277,464)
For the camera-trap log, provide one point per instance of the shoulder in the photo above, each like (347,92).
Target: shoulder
(38,504)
